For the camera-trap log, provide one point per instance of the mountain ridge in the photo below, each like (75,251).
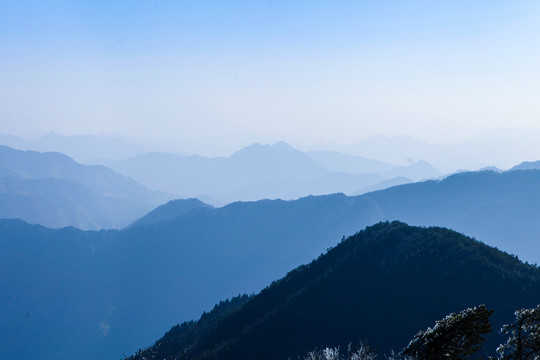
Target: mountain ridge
(262,171)
(351,293)
(209,254)
(92,196)
(169,211)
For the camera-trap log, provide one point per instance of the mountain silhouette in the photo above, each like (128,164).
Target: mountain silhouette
(169,211)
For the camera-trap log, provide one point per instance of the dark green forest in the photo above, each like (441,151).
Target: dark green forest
(379,286)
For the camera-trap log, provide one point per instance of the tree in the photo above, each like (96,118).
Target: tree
(457,336)
(361,352)
(524,336)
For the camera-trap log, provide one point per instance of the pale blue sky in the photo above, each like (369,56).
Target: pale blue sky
(226,73)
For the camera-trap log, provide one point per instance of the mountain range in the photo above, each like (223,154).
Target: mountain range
(499,147)
(264,172)
(76,291)
(252,173)
(53,190)
(502,147)
(82,148)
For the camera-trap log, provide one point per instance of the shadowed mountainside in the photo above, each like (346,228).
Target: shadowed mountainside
(379,286)
(208,254)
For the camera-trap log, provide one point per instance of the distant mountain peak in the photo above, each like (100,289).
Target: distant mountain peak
(527,165)
(280,145)
(421,164)
(258,148)
(283,146)
(169,211)
(53,135)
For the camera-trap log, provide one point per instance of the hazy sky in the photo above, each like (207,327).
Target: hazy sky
(235,72)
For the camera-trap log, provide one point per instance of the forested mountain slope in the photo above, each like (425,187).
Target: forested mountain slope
(209,254)
(379,286)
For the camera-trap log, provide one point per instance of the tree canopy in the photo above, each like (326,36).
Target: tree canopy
(457,336)
(523,336)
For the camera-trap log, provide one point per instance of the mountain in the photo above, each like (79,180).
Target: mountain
(83,148)
(527,165)
(188,333)
(196,175)
(394,150)
(96,281)
(208,254)
(36,165)
(379,286)
(54,190)
(339,162)
(501,148)
(419,170)
(13,141)
(275,163)
(488,205)
(263,172)
(169,211)
(327,184)
(385,184)
(58,203)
